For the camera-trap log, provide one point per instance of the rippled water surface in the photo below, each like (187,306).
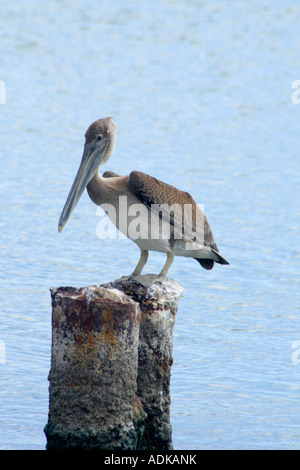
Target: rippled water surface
(201,93)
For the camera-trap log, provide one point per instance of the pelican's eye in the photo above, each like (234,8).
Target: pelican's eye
(99,137)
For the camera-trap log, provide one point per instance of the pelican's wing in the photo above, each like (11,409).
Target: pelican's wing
(110,174)
(177,207)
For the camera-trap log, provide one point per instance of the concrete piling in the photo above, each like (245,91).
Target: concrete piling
(111,362)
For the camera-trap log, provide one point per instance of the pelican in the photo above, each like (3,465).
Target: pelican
(170,220)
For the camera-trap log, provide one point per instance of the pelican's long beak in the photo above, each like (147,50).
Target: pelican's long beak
(91,159)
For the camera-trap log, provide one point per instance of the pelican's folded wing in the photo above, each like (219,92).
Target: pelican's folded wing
(110,174)
(177,207)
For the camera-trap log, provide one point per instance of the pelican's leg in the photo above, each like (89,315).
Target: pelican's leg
(141,263)
(165,269)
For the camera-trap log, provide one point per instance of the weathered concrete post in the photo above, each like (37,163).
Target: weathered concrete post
(110,365)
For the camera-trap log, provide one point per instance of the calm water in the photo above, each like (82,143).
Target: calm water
(201,92)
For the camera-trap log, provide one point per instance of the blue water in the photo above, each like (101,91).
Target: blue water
(201,93)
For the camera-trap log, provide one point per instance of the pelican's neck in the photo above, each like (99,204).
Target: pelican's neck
(108,190)
(97,188)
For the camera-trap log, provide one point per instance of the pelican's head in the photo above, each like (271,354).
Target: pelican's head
(99,144)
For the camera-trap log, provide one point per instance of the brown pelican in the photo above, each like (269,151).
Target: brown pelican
(171,221)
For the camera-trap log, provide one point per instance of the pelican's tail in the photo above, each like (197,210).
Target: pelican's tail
(207,263)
